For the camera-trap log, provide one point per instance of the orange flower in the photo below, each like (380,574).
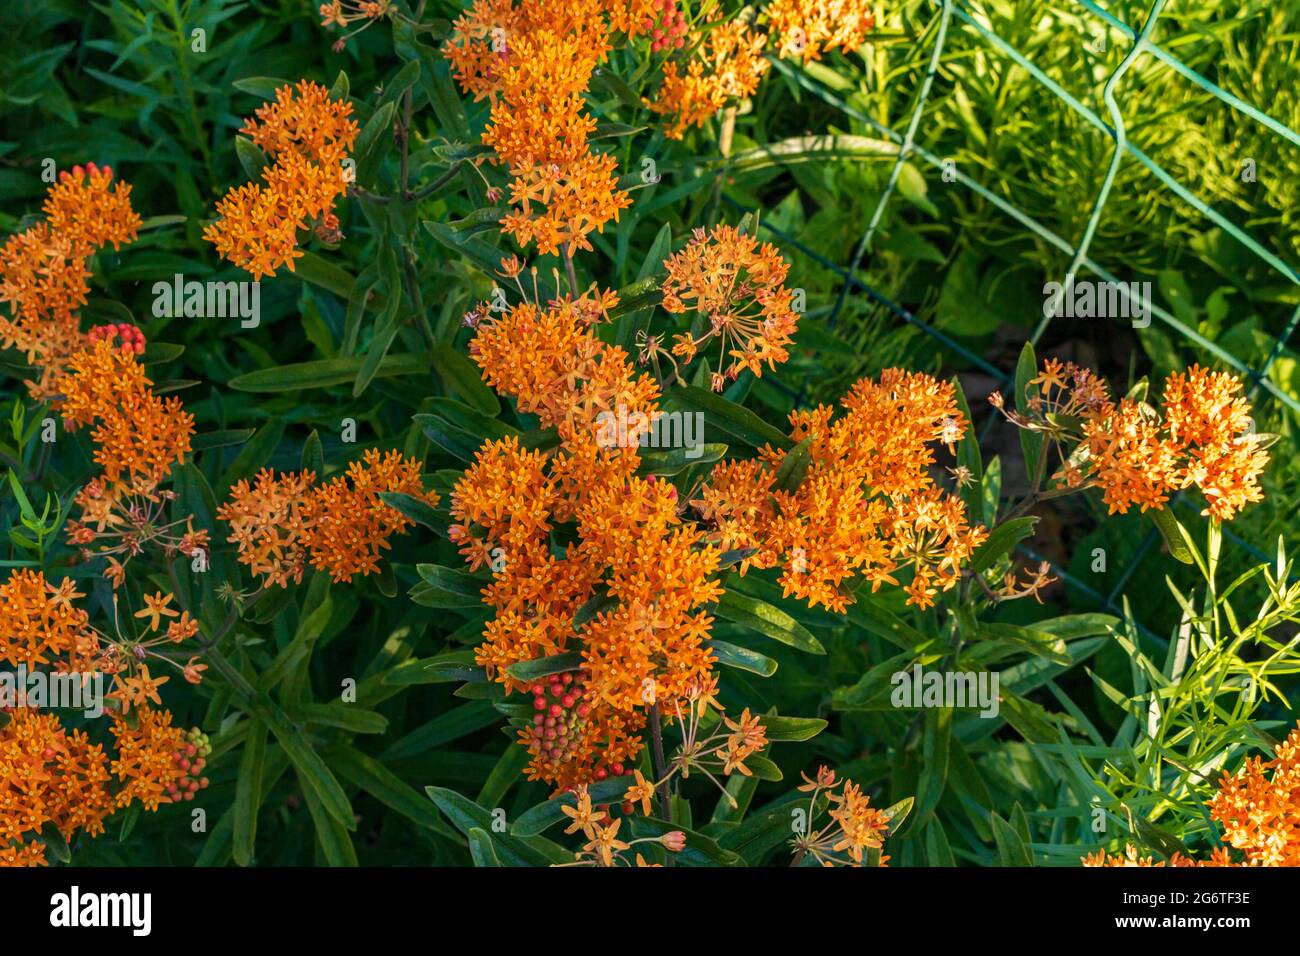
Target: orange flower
(344,12)
(862,827)
(738,286)
(484,40)
(810,28)
(554,365)
(747,738)
(1131,459)
(308,136)
(138,434)
(583,816)
(44,271)
(866,505)
(1259,807)
(504,500)
(1201,436)
(269,526)
(1209,420)
(84,211)
(855,826)
(349,526)
(343,524)
(49,775)
(305,121)
(605,843)
(642,792)
(146,761)
(726,65)
(57,777)
(39,624)
(535,62)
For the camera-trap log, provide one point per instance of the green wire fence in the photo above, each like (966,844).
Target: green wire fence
(1143,43)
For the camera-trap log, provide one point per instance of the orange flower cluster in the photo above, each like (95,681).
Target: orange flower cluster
(1201,436)
(854,826)
(566,376)
(866,504)
(535,61)
(307,136)
(603,847)
(44,269)
(713,745)
(810,28)
(629,590)
(44,628)
(483,41)
(138,437)
(739,286)
(1261,813)
(343,526)
(50,775)
(345,12)
(726,65)
(40,622)
(53,776)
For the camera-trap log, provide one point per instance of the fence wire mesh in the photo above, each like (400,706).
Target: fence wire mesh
(1083,258)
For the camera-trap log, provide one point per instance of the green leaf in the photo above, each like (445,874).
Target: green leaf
(503,776)
(447,588)
(1000,542)
(322,373)
(313,454)
(248,793)
(728,417)
(442,669)
(481,850)
(517,849)
(317,780)
(866,613)
(792,728)
(793,468)
(699,850)
(373,140)
(487,258)
(743,658)
(545,666)
(1173,532)
(406,77)
(768,620)
(453,724)
(331,835)
(347,717)
(461,377)
(666,462)
(1012,850)
(417,509)
(250,157)
(550,812)
(386,787)
(312,268)
(1031,442)
(261,86)
(220,439)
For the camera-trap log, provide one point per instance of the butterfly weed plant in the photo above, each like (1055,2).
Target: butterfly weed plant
(421,471)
